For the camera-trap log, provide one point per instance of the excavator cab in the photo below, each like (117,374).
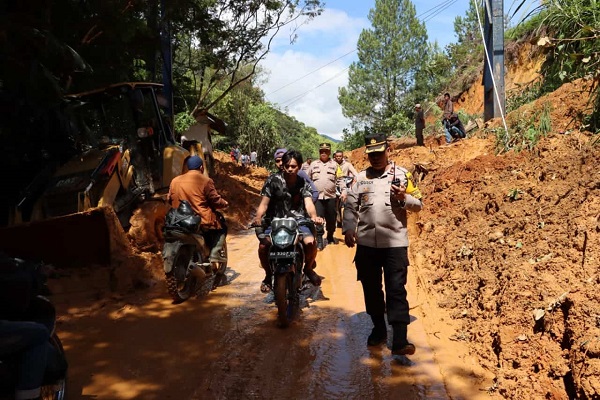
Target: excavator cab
(125,154)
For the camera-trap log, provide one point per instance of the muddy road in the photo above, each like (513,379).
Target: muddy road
(227,346)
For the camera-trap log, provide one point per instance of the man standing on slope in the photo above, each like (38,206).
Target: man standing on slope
(419,125)
(448,105)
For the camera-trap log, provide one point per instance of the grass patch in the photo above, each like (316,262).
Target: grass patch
(524,130)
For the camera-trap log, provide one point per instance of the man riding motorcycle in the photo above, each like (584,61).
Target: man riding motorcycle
(199,190)
(286,194)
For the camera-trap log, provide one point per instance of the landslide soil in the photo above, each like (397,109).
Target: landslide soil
(503,291)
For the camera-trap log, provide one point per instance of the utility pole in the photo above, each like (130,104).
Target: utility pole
(494,98)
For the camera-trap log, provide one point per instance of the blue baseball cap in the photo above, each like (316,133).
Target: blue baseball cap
(194,162)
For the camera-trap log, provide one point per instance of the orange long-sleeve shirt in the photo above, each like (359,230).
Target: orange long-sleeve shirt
(199,190)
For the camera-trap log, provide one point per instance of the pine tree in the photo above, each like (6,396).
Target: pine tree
(389,57)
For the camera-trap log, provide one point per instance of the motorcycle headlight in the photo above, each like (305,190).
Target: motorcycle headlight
(283,238)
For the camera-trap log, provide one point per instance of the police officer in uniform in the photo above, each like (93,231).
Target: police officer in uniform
(375,220)
(323,173)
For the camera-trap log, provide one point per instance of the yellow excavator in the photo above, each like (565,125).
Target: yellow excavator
(125,156)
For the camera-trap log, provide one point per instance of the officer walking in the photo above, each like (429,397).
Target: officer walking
(375,220)
(323,173)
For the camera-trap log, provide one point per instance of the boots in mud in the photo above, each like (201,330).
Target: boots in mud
(312,276)
(320,231)
(379,333)
(220,277)
(400,344)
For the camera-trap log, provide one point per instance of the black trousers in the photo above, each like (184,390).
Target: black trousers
(326,209)
(394,262)
(215,239)
(419,135)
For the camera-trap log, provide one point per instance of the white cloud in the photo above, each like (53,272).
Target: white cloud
(328,37)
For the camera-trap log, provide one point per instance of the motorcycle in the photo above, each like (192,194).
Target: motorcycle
(339,206)
(186,254)
(286,259)
(39,309)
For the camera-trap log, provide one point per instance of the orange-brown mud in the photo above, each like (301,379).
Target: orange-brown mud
(501,239)
(226,345)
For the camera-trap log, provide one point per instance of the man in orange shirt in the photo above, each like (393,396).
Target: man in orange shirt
(199,190)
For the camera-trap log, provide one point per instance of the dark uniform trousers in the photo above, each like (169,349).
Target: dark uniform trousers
(394,262)
(326,209)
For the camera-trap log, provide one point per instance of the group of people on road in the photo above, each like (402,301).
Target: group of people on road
(245,160)
(451,123)
(374,221)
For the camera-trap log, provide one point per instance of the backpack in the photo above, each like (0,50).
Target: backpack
(183,218)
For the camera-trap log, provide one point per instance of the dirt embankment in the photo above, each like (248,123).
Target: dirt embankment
(504,237)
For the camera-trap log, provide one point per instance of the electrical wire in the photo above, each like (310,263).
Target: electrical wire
(487,57)
(312,72)
(427,15)
(301,95)
(432,12)
(437,13)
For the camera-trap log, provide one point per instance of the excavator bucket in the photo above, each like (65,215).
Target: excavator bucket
(93,237)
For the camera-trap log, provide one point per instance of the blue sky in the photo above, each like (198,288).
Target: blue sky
(303,78)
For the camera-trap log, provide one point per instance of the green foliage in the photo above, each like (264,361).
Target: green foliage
(466,54)
(389,55)
(432,77)
(524,96)
(215,55)
(514,194)
(525,28)
(573,45)
(183,121)
(212,40)
(524,133)
(352,140)
(545,124)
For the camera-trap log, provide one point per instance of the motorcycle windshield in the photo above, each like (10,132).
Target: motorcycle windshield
(283,232)
(289,224)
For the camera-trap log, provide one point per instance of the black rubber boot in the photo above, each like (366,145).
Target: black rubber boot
(400,344)
(320,245)
(379,333)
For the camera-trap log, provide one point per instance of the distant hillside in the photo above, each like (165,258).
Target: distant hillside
(331,139)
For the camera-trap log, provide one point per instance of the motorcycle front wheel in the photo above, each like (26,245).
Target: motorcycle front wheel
(286,299)
(181,284)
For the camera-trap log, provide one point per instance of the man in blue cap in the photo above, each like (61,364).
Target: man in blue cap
(199,190)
